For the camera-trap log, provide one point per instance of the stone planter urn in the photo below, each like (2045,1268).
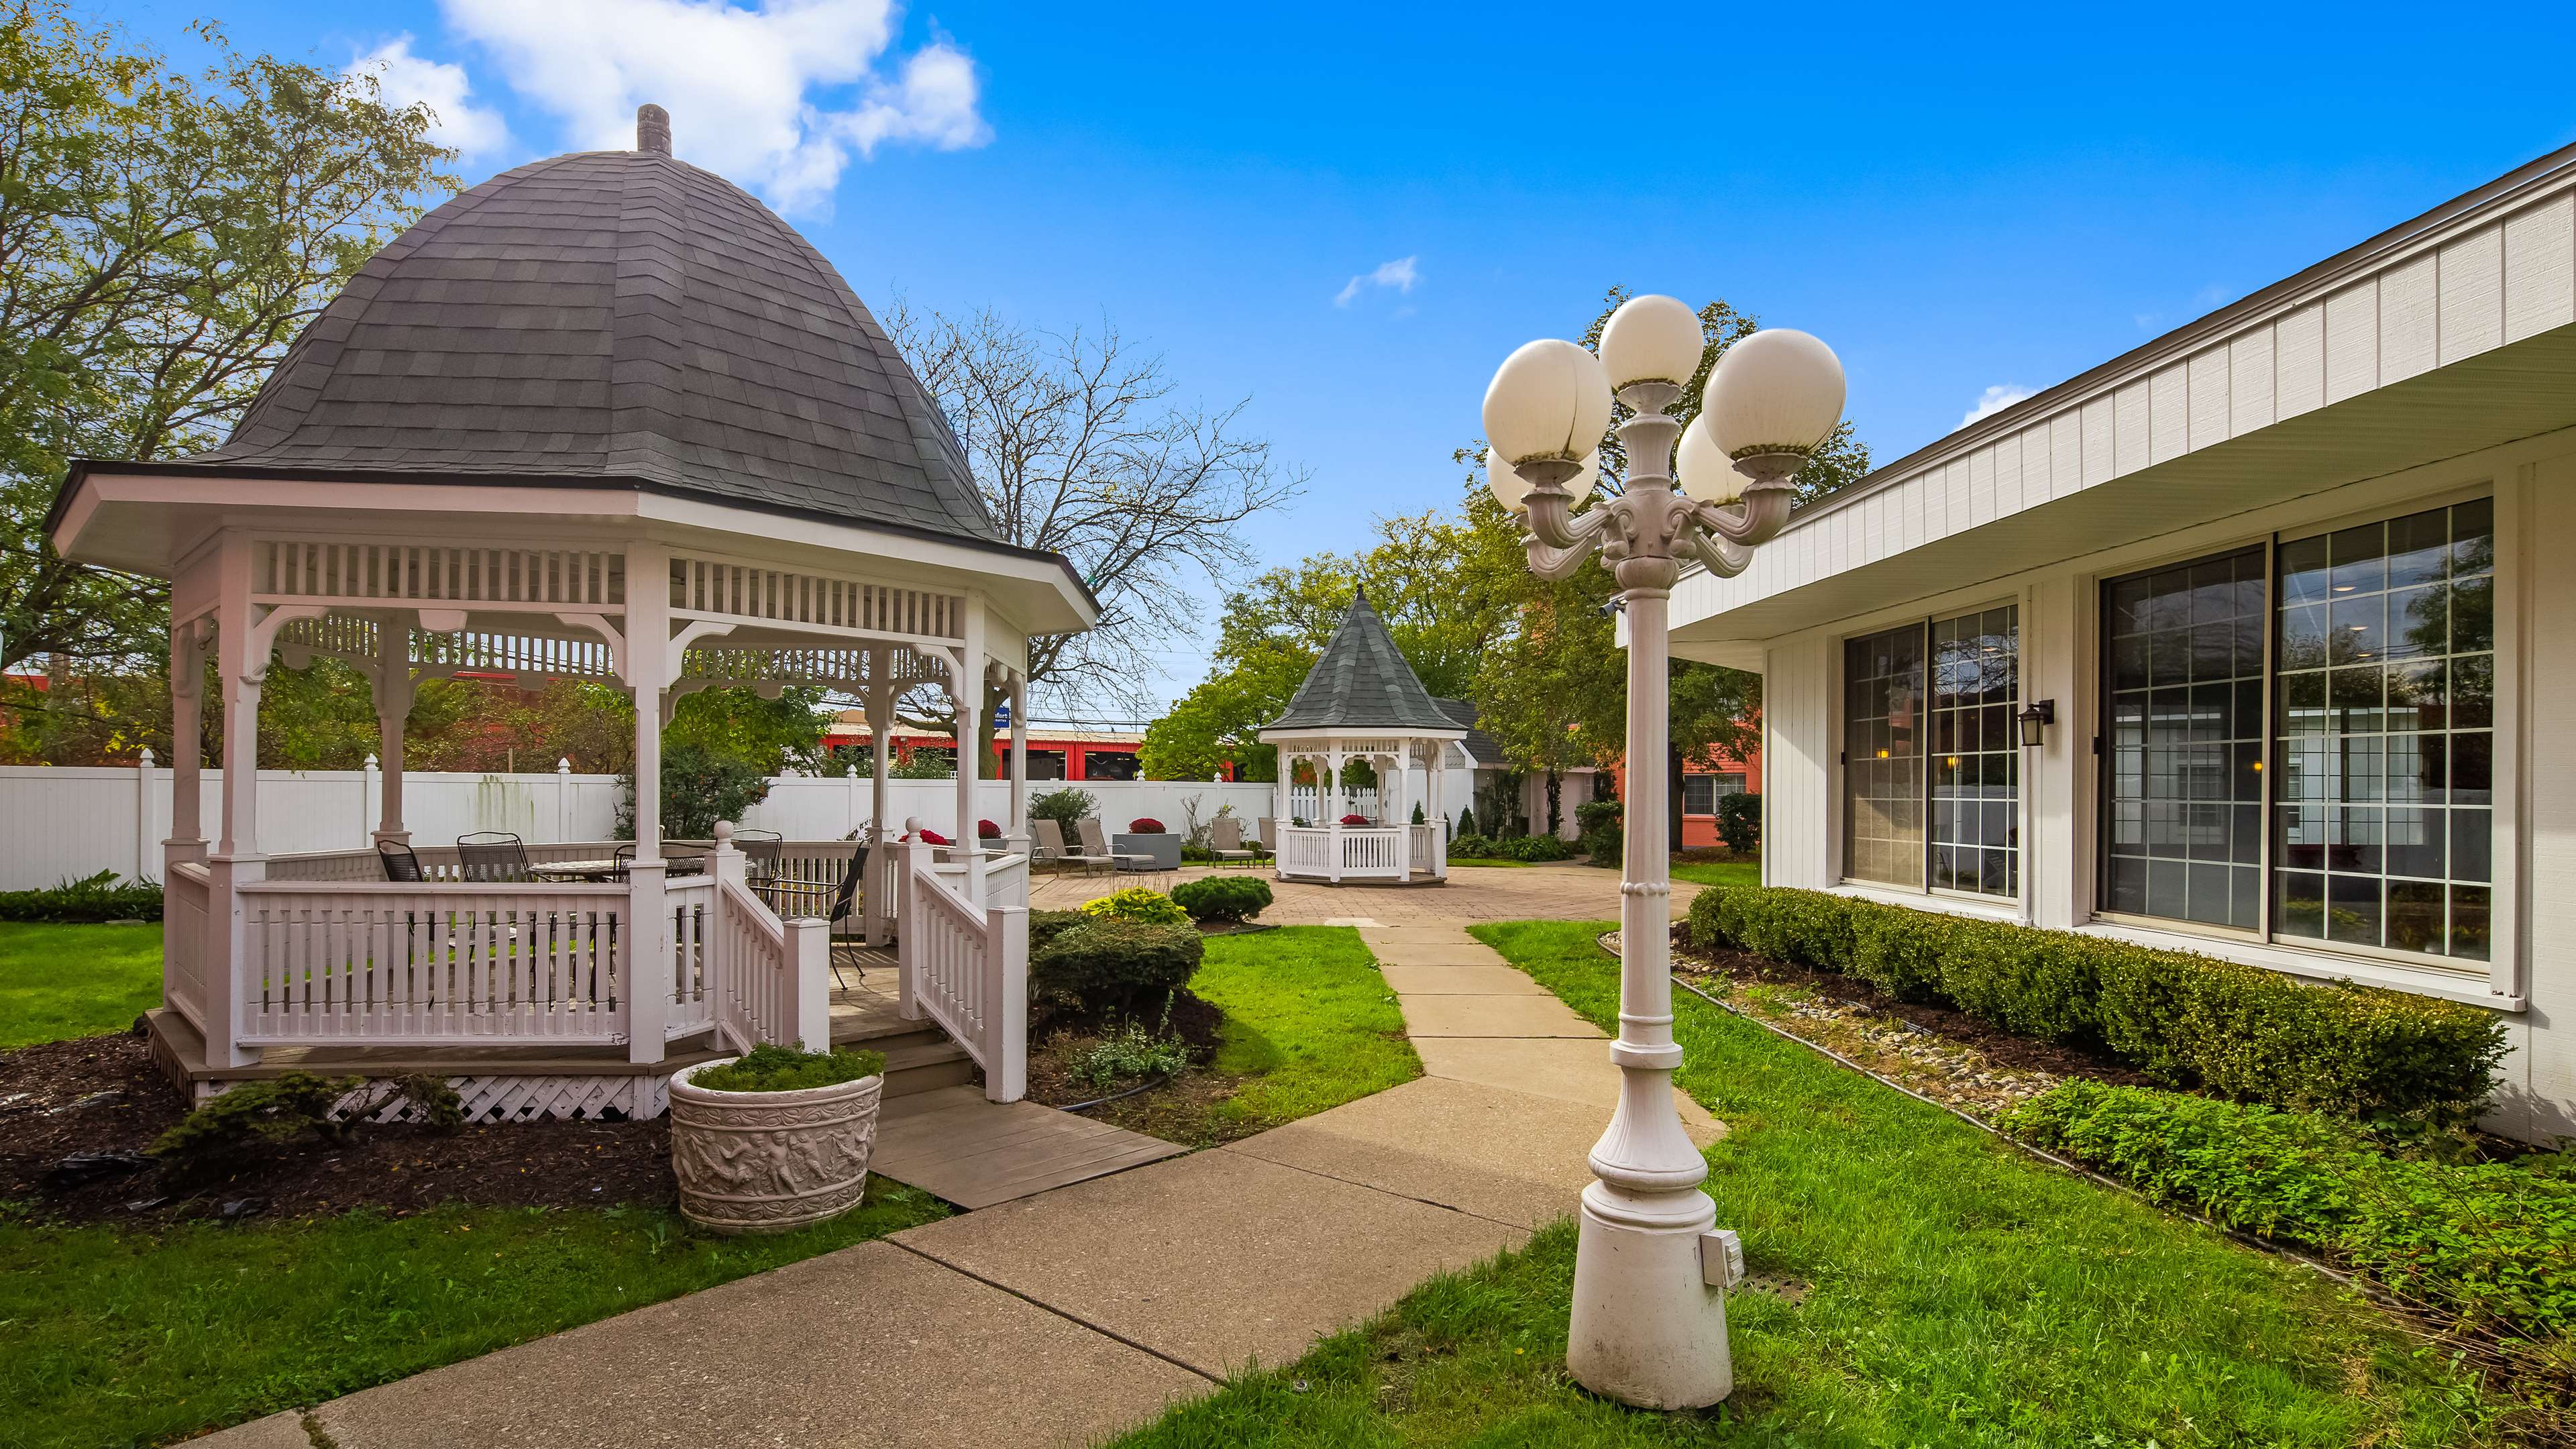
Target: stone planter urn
(1164,848)
(771,1162)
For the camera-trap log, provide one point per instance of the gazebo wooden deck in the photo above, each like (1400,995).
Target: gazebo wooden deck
(602,418)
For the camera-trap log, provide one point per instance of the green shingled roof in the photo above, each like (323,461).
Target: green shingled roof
(1363,682)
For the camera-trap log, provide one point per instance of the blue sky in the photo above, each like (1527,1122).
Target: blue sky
(1956,199)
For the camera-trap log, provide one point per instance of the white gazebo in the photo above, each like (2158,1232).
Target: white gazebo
(604,417)
(1363,703)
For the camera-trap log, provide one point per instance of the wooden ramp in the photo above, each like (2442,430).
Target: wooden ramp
(958,1147)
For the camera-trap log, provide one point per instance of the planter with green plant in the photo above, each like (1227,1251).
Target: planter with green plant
(776,1138)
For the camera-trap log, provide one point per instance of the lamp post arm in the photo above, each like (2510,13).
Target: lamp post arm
(1718,554)
(1551,518)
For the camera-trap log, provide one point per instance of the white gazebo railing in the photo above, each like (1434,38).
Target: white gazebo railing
(964,961)
(1359,852)
(408,964)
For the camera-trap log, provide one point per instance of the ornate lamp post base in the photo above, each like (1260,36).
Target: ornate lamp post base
(1649,1329)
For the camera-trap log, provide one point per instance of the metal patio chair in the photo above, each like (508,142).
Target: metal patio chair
(492,856)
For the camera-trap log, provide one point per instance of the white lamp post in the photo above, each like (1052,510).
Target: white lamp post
(1649,1323)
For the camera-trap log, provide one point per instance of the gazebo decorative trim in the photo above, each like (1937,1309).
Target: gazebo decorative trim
(1362,702)
(315,533)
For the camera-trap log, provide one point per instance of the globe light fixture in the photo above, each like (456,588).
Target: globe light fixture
(1651,339)
(1510,488)
(1549,404)
(1651,1267)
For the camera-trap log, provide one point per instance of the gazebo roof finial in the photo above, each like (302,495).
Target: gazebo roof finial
(652,129)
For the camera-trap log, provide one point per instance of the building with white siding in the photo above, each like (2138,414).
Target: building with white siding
(2294,582)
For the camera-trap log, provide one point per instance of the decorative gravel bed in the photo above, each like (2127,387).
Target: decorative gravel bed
(1945,1055)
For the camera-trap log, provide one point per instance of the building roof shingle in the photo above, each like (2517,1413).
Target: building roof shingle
(1362,681)
(620,315)
(1481,748)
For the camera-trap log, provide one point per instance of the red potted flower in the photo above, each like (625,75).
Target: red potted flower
(932,837)
(1147,845)
(987,830)
(1355,820)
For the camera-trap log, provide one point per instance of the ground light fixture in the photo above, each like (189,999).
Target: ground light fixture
(1652,1268)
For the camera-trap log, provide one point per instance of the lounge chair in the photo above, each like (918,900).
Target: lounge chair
(1095,842)
(1051,846)
(1225,842)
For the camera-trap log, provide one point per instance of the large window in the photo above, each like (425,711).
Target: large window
(1700,793)
(2346,680)
(1937,809)
(2387,734)
(2184,657)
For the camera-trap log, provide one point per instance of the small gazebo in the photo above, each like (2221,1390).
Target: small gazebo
(603,417)
(1362,703)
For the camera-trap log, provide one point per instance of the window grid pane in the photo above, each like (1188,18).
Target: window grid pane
(2183,676)
(1883,773)
(2384,811)
(1975,759)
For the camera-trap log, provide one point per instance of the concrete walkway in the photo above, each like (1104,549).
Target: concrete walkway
(1067,1315)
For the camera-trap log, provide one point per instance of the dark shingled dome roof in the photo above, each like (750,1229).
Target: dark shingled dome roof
(1362,680)
(619,315)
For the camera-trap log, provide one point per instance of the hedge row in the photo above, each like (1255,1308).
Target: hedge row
(2490,1243)
(98,898)
(2188,1020)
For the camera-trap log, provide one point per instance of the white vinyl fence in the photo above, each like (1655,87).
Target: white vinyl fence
(65,823)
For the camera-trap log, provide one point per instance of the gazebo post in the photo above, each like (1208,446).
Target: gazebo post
(394,688)
(1333,812)
(1401,818)
(966,696)
(644,661)
(880,712)
(187,745)
(237,860)
(1017,832)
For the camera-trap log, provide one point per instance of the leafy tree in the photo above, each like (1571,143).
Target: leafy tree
(699,788)
(1441,611)
(162,238)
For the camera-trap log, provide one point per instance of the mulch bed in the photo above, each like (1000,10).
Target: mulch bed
(1174,1110)
(102,1094)
(2004,1048)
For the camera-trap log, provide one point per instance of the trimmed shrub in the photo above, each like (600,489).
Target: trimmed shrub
(1045,926)
(1136,903)
(1145,825)
(1529,848)
(1466,822)
(1110,967)
(101,897)
(1739,822)
(2489,1243)
(2188,1020)
(1223,897)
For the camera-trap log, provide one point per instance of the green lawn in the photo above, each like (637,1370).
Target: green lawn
(67,981)
(109,1337)
(1720,872)
(1961,1295)
(1308,1017)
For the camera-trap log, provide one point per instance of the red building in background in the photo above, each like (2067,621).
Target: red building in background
(1702,787)
(1056,752)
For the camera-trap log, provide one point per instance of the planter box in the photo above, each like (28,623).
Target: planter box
(771,1162)
(1164,848)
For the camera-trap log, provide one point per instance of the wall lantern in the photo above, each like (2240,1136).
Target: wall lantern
(2035,721)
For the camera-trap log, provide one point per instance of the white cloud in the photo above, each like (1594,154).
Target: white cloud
(1994,400)
(777,96)
(404,79)
(1400,274)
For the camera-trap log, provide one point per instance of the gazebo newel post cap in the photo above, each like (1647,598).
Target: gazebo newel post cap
(1646,1329)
